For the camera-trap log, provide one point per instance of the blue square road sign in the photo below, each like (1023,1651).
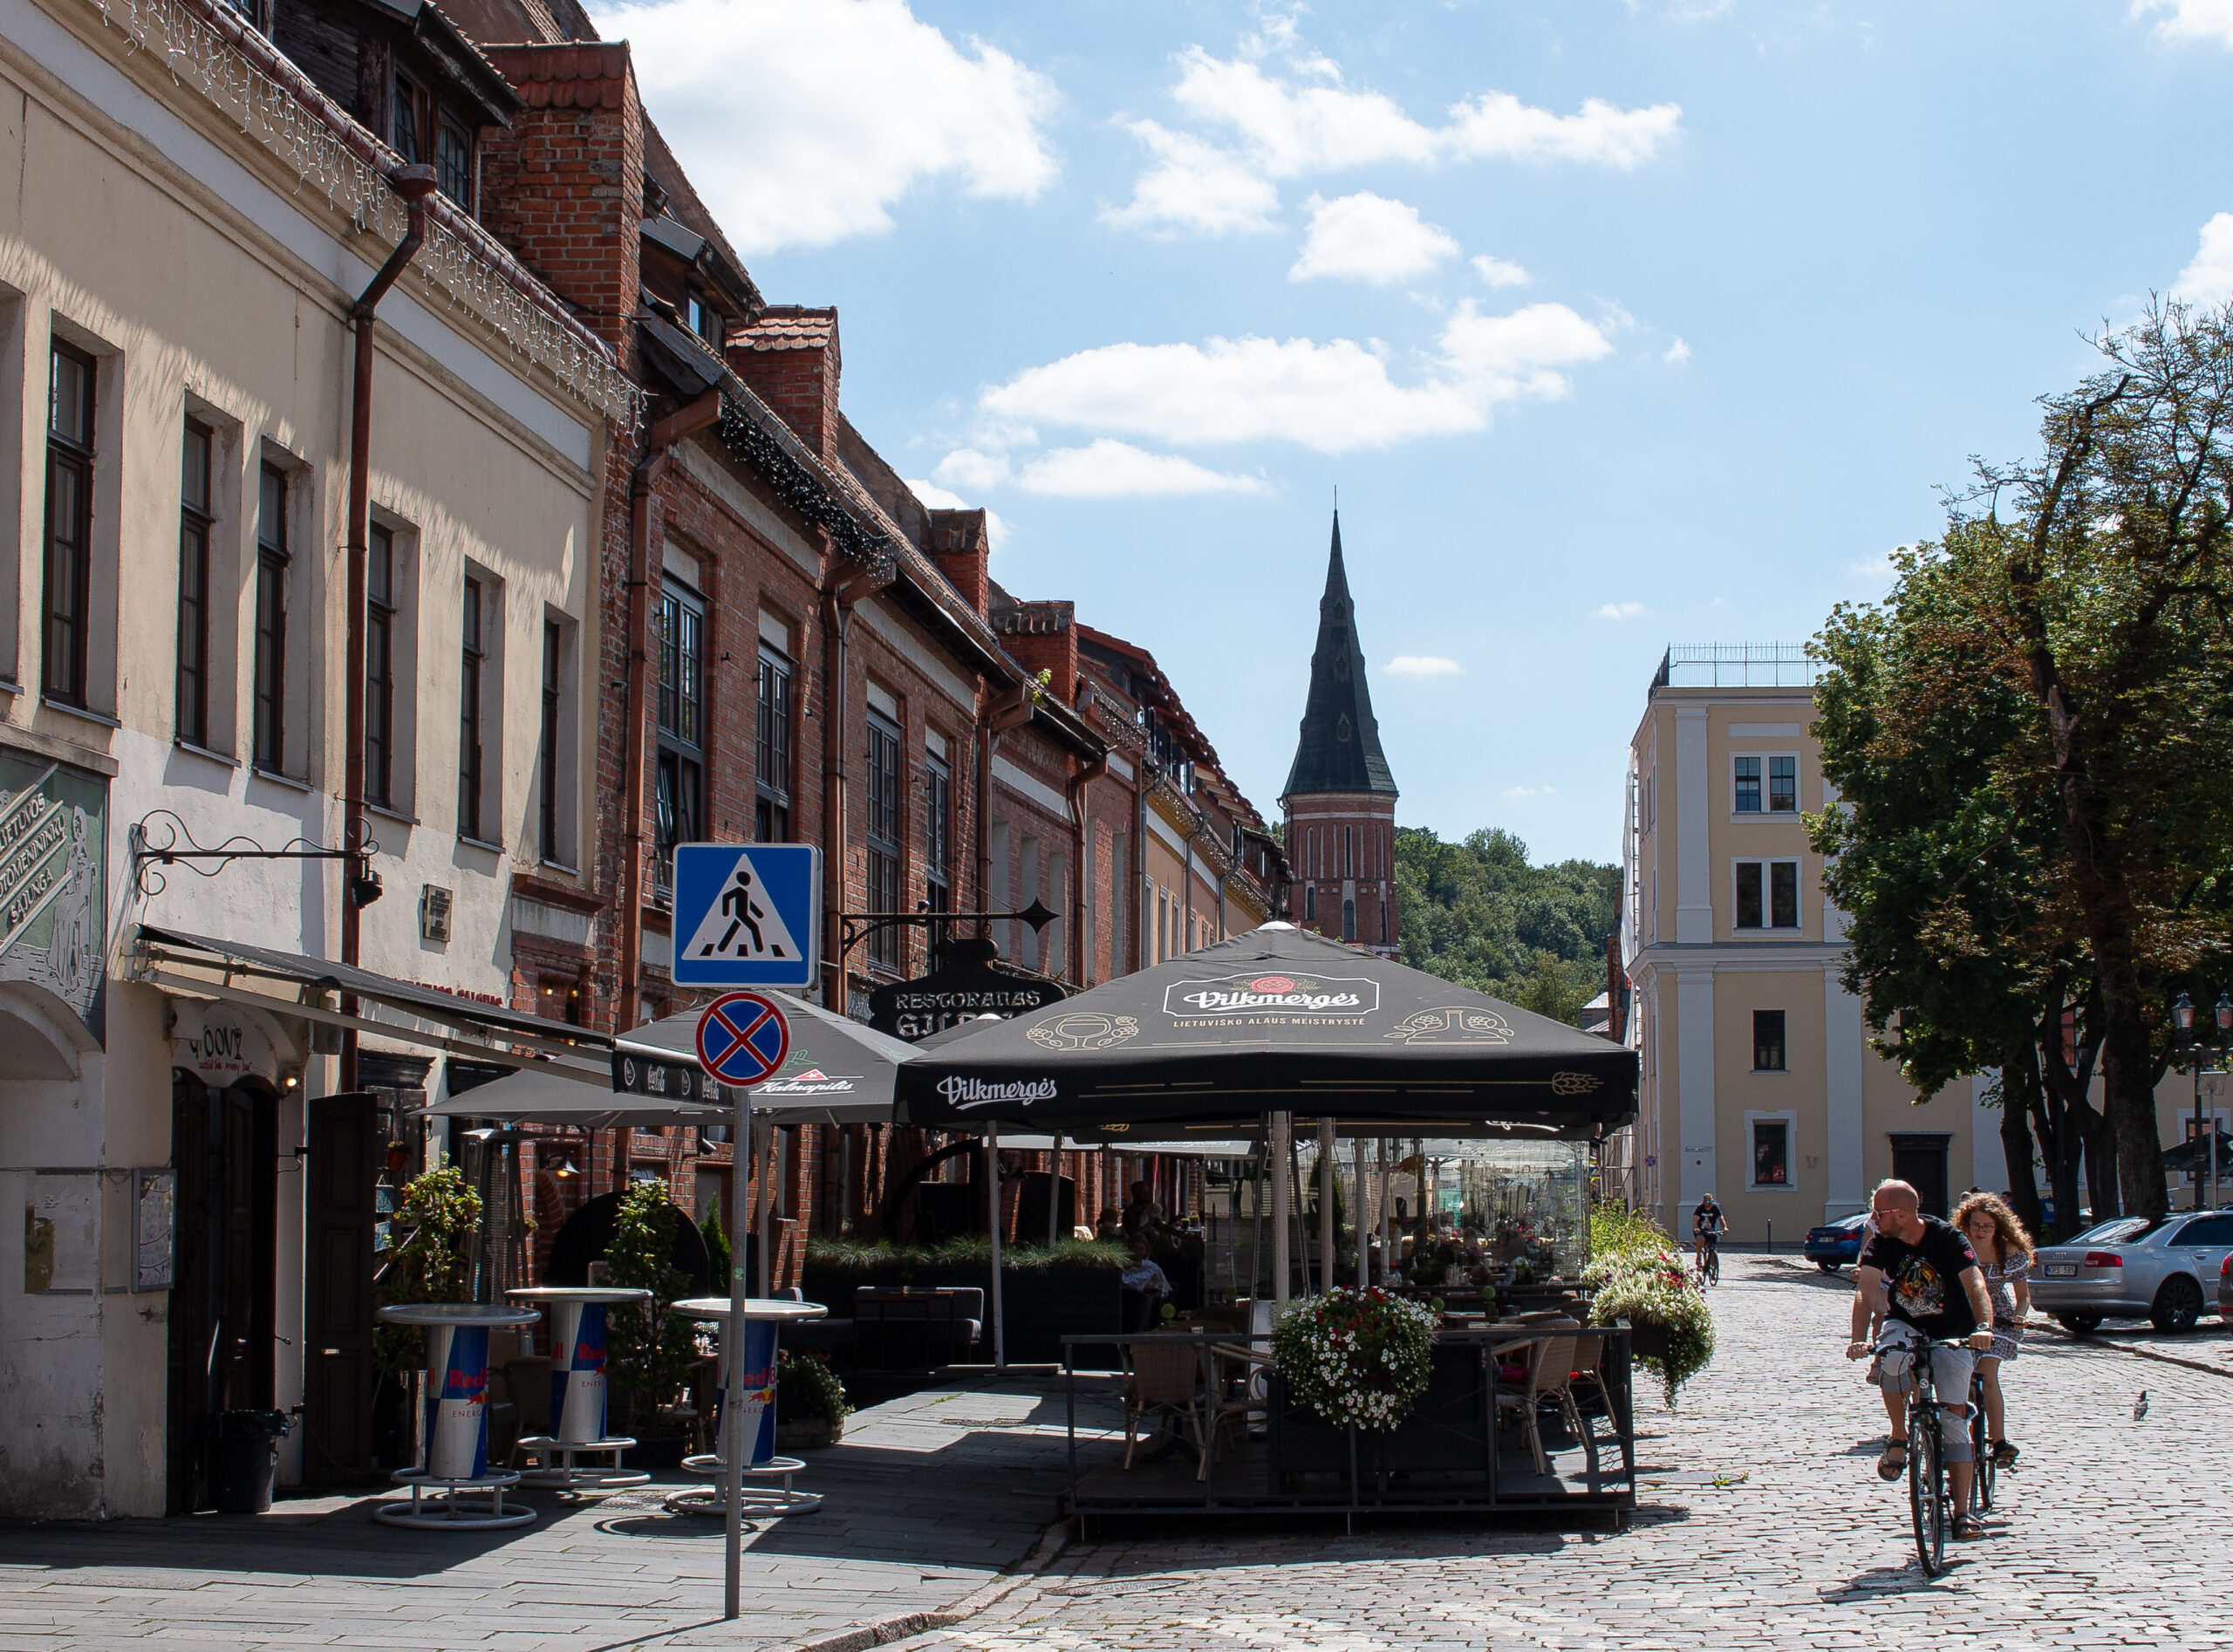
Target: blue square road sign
(748,914)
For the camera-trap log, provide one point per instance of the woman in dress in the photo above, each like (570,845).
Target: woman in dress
(2004,1257)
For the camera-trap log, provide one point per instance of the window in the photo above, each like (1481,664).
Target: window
(1771,1153)
(706,321)
(69,523)
(1767,894)
(1767,1040)
(1748,785)
(1348,920)
(938,833)
(268,749)
(1783,785)
(193,691)
(2214,1232)
(454,162)
(772,750)
(471,654)
(553,655)
(682,726)
(884,890)
(409,118)
(380,667)
(1310,903)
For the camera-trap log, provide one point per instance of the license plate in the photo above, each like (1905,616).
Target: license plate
(2062,1270)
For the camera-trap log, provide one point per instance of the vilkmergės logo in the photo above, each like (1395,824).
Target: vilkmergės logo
(965,1093)
(1257,994)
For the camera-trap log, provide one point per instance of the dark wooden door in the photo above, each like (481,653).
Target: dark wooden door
(192,1307)
(1921,1162)
(338,1375)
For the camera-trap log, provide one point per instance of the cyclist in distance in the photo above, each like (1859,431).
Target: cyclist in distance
(1926,1277)
(1707,1225)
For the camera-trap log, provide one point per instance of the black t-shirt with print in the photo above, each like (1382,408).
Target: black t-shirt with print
(1925,1278)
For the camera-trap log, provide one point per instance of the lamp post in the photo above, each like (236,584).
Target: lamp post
(2198,1053)
(2223,1014)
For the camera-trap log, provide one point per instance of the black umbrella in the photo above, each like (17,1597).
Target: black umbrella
(2186,1155)
(1276,1019)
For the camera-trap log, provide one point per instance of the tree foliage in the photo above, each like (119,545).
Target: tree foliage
(1476,912)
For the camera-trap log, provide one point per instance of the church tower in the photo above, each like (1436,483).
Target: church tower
(1340,798)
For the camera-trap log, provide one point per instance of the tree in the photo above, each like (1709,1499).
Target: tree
(1477,913)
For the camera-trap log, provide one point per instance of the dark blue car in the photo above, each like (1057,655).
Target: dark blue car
(1835,1245)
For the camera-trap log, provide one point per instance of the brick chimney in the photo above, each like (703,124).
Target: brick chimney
(959,545)
(789,356)
(1042,635)
(564,189)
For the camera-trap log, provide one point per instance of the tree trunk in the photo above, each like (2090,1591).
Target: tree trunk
(2021,1101)
(2101,1170)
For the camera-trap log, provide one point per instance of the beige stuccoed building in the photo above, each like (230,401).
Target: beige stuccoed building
(186,225)
(1760,1081)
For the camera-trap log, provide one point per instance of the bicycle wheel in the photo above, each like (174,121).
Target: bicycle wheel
(1982,1472)
(1713,1267)
(1926,1490)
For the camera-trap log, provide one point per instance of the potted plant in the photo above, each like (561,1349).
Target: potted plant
(1641,1279)
(810,1404)
(649,1351)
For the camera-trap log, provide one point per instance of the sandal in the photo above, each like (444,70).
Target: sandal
(2004,1455)
(1966,1529)
(1893,1463)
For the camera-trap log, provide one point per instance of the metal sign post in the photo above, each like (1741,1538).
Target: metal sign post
(742,1038)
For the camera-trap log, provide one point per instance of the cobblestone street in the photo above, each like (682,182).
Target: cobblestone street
(1762,1524)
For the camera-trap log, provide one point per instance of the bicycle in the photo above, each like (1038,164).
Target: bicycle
(1928,1499)
(1980,1482)
(1708,1262)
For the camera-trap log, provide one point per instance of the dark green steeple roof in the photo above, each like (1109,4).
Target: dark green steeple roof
(1340,747)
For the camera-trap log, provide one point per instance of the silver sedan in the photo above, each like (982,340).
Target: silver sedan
(2157,1268)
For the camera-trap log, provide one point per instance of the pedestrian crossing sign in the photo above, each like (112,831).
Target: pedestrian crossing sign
(747,914)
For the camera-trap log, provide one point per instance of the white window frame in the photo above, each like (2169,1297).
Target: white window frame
(1789,1120)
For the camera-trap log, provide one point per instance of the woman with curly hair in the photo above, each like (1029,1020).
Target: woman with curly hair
(2004,1257)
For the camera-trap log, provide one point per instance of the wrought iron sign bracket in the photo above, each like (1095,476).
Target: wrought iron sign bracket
(856,927)
(178,847)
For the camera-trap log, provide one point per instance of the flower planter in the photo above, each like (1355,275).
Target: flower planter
(1040,1305)
(806,1433)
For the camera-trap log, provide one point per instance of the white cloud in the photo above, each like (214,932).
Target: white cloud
(803,121)
(1369,237)
(1499,272)
(2191,19)
(2208,279)
(1676,354)
(1331,398)
(1522,793)
(1424,666)
(1107,469)
(1619,610)
(1194,185)
(1274,127)
(938,498)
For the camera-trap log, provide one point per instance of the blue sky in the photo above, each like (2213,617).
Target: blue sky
(1615,322)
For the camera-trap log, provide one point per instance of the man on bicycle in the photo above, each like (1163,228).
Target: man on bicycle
(1923,1275)
(1707,1225)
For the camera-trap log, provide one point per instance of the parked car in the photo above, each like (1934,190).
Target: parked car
(2136,1267)
(1835,1245)
(2225,1290)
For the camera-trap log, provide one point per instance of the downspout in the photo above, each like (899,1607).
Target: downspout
(837,599)
(414,184)
(1006,712)
(1138,879)
(1200,822)
(662,434)
(1079,833)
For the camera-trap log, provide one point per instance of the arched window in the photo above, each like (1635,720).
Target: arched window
(1348,920)
(1310,903)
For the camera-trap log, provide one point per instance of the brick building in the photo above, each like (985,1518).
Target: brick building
(1340,798)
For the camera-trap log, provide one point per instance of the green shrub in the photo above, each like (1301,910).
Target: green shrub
(1656,1289)
(853,1256)
(807,1388)
(649,1350)
(431,1263)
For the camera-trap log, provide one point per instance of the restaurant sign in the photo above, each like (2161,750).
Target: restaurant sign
(53,903)
(965,985)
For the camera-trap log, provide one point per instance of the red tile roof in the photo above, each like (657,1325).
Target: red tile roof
(578,75)
(788,327)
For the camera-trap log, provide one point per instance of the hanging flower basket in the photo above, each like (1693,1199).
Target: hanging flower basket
(1357,1358)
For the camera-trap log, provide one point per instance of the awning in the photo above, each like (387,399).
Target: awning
(291,984)
(536,1095)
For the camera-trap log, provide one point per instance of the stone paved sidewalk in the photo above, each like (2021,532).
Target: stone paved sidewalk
(929,1498)
(1762,1526)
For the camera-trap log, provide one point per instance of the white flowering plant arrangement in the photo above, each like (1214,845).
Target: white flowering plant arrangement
(1637,1275)
(1355,1356)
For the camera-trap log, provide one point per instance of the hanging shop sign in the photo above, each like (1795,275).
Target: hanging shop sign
(965,985)
(53,902)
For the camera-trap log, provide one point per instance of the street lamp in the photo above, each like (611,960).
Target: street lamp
(2205,1137)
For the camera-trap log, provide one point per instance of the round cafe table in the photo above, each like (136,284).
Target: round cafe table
(466,1495)
(756,1347)
(577,1389)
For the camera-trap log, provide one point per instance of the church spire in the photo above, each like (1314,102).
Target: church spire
(1340,747)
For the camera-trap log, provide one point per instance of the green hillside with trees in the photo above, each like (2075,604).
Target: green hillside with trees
(1476,912)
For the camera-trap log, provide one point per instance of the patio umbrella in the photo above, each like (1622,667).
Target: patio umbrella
(839,1071)
(1275,1020)
(2188,1153)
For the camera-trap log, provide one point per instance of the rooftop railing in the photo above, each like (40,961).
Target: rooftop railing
(1738,665)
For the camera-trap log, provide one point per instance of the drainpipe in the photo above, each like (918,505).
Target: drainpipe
(837,599)
(1139,871)
(414,184)
(1079,834)
(1002,713)
(1200,822)
(662,434)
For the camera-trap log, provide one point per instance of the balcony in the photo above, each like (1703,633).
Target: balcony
(1738,665)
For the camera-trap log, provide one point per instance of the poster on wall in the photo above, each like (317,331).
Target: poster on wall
(62,1254)
(53,892)
(154,1195)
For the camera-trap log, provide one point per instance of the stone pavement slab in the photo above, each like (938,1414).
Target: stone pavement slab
(1762,1524)
(927,1498)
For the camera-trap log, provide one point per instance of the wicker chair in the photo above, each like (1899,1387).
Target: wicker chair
(1550,1363)
(1164,1379)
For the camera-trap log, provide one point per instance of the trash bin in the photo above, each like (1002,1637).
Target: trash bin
(244,1459)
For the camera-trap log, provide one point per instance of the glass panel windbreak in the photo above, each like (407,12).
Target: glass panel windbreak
(1510,1212)
(193,520)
